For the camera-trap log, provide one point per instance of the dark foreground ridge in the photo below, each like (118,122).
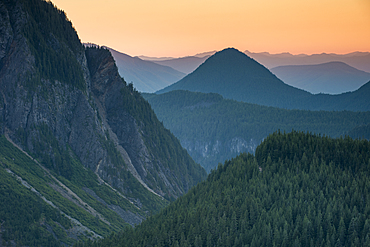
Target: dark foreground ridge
(101,159)
(298,190)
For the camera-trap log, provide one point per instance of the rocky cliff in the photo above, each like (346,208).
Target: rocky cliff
(66,106)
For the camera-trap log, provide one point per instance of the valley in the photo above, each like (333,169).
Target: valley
(299,189)
(214,129)
(221,148)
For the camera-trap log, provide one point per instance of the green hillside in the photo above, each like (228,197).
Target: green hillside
(54,43)
(214,129)
(299,190)
(37,209)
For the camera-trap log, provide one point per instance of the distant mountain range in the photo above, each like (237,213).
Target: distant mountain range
(330,78)
(184,64)
(236,76)
(147,76)
(358,60)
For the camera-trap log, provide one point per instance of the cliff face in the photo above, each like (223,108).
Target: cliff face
(95,117)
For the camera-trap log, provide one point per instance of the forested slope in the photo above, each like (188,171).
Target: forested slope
(38,207)
(299,190)
(214,129)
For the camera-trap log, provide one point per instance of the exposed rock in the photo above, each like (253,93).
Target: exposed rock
(50,117)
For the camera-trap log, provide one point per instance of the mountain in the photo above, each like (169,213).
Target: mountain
(184,64)
(358,60)
(236,76)
(298,190)
(328,78)
(214,129)
(146,76)
(205,54)
(350,101)
(147,58)
(79,143)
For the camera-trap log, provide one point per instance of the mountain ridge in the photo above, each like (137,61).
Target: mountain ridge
(68,108)
(146,76)
(236,76)
(328,78)
(358,60)
(184,64)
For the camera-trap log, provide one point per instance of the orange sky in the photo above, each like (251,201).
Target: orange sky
(186,27)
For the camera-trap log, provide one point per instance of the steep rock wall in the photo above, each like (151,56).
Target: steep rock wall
(51,118)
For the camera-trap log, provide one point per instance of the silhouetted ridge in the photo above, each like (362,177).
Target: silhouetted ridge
(234,61)
(236,76)
(330,78)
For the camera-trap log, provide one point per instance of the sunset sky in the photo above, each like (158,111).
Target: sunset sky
(185,27)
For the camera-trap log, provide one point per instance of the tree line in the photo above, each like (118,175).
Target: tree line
(300,189)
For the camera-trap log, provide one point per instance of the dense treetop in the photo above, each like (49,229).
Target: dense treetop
(53,42)
(299,190)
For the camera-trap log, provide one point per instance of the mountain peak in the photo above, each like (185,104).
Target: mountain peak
(235,75)
(231,51)
(233,61)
